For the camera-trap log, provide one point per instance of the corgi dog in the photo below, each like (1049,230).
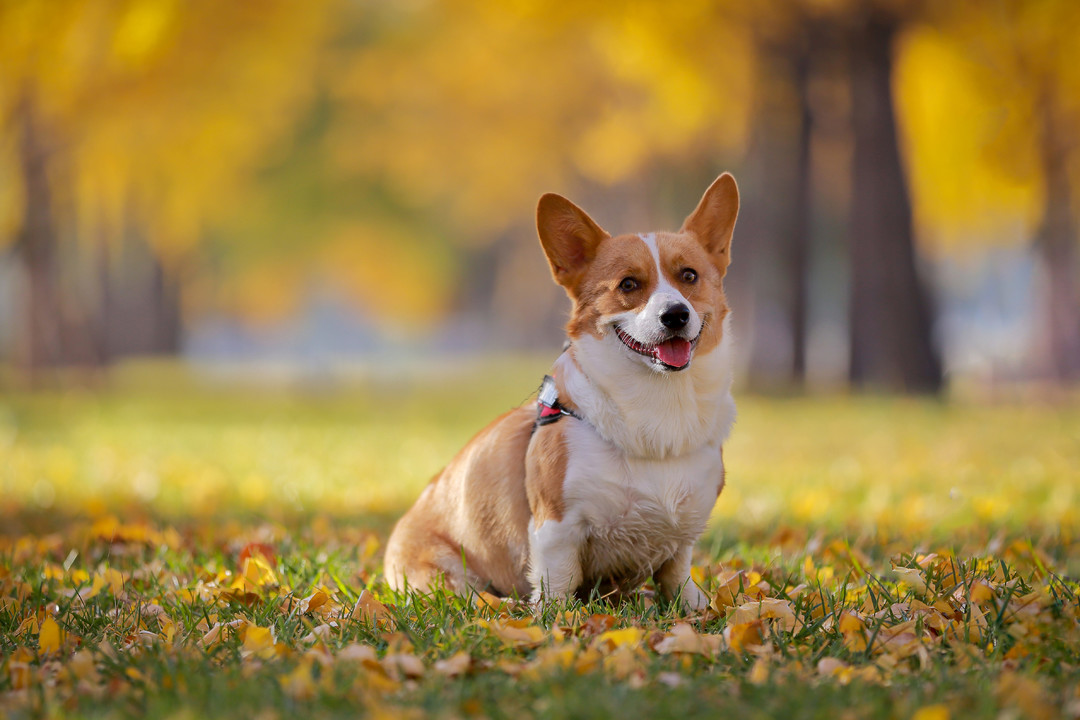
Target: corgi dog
(610,478)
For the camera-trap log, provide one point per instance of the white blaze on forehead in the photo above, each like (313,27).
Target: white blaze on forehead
(663,287)
(650,242)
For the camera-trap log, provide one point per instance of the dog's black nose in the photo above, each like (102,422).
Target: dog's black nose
(675,317)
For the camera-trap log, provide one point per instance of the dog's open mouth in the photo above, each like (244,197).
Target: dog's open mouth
(673,353)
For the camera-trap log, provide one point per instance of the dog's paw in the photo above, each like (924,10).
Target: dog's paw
(693,598)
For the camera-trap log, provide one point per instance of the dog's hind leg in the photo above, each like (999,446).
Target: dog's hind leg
(423,562)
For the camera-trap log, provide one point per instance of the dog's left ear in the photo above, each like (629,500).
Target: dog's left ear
(713,222)
(569,238)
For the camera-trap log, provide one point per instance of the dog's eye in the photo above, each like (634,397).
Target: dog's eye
(689,276)
(628,284)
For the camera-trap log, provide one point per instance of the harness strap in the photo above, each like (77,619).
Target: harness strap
(548,408)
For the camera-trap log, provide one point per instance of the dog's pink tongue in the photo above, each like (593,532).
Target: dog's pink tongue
(674,352)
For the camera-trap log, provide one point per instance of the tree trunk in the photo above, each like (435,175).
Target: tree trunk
(57,327)
(39,343)
(140,300)
(799,231)
(1056,243)
(892,347)
(782,225)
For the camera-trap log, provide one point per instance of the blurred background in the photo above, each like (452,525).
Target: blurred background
(283,191)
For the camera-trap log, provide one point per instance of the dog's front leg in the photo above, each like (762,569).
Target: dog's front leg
(554,560)
(673,578)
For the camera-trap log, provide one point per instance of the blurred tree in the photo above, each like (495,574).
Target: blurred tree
(476,108)
(136,122)
(891,318)
(992,108)
(776,221)
(802,43)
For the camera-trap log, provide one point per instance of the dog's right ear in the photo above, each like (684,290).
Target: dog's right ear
(569,238)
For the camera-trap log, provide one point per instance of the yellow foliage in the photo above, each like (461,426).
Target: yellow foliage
(960,193)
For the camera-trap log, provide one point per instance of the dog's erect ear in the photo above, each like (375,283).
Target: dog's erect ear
(569,237)
(714,219)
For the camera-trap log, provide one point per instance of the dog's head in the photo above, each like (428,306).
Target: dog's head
(658,295)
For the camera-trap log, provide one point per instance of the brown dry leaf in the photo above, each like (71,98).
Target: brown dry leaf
(405,664)
(727,588)
(457,664)
(900,641)
(83,667)
(931,616)
(1025,694)
(815,603)
(319,633)
(513,668)
(625,662)
(355,652)
(244,597)
(981,593)
(485,600)
(834,668)
(517,633)
(397,642)
(597,624)
(370,610)
(588,660)
(264,552)
(213,635)
(20,674)
(759,673)
(945,569)
(313,602)
(555,657)
(766,608)
(684,639)
(299,684)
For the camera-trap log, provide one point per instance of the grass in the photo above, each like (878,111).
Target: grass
(190,551)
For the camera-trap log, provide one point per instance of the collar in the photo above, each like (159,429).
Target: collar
(548,408)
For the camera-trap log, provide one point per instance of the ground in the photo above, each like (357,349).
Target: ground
(181,548)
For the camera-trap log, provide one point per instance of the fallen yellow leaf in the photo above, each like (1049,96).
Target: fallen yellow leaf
(613,639)
(258,642)
(912,577)
(759,673)
(515,632)
(931,712)
(740,636)
(50,638)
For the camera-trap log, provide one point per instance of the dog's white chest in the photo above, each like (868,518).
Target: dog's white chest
(633,514)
